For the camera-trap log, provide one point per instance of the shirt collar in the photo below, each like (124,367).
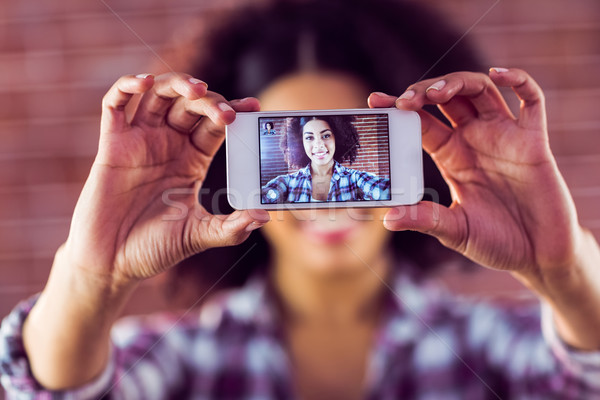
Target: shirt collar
(305,171)
(255,303)
(338,170)
(252,305)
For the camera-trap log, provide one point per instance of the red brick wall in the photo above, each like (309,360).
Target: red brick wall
(374,153)
(57,58)
(272,161)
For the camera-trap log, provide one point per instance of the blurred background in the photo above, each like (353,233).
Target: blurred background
(58,58)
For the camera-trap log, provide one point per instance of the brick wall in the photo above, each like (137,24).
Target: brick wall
(372,156)
(57,58)
(272,161)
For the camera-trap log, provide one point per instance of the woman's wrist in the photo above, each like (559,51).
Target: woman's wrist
(88,280)
(573,292)
(79,302)
(556,279)
(67,333)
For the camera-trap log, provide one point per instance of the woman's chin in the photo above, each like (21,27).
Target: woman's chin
(328,242)
(332,248)
(332,263)
(321,162)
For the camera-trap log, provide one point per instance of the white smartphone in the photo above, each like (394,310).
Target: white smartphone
(324,158)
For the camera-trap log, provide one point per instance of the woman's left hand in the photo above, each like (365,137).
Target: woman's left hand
(511,208)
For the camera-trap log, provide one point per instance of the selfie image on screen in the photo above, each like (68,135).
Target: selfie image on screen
(324,158)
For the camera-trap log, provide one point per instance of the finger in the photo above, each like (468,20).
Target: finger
(228,230)
(414,98)
(380,100)
(434,133)
(154,105)
(118,96)
(180,117)
(212,105)
(459,111)
(477,88)
(448,225)
(533,110)
(208,135)
(248,104)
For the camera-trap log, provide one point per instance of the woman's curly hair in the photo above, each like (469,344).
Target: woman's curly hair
(344,133)
(342,33)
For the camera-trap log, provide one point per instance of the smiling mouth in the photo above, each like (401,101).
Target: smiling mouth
(331,233)
(320,154)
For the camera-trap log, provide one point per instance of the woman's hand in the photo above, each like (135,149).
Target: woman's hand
(126,224)
(511,208)
(138,215)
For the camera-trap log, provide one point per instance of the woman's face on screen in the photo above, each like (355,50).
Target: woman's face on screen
(319,142)
(323,241)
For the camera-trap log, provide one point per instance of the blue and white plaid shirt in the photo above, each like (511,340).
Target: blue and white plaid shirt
(347,184)
(428,346)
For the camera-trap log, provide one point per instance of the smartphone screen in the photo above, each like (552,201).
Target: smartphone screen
(324,158)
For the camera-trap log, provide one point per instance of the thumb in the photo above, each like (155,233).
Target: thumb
(227,230)
(445,224)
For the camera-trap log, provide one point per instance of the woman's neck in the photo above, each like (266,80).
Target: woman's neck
(351,295)
(322,170)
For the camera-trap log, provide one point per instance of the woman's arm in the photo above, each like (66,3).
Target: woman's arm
(67,333)
(123,230)
(372,186)
(573,292)
(511,208)
(276,190)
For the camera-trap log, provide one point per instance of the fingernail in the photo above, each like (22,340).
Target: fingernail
(254,226)
(437,86)
(409,94)
(392,215)
(261,216)
(142,76)
(224,107)
(195,81)
(381,94)
(500,69)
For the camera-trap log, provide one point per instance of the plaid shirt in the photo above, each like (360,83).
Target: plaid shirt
(346,185)
(429,346)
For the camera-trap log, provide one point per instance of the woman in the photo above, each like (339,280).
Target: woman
(318,145)
(269,129)
(336,314)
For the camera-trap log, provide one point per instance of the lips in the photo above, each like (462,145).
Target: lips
(321,154)
(328,233)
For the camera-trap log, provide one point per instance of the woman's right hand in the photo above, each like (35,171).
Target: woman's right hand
(126,226)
